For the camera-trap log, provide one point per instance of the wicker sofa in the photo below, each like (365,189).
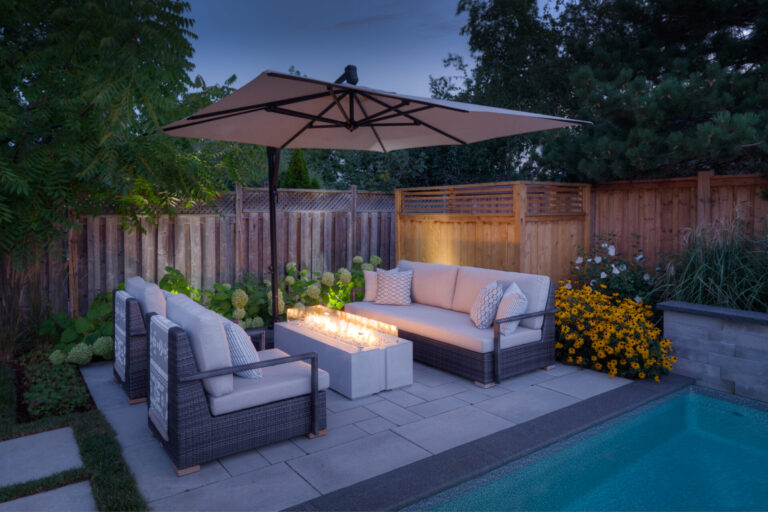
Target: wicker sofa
(131,368)
(201,411)
(443,336)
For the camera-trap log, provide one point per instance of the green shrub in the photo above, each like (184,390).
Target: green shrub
(80,354)
(69,332)
(54,390)
(721,264)
(104,347)
(57,357)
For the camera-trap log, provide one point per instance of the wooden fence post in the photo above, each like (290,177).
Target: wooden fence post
(239,232)
(521,208)
(586,206)
(352,238)
(72,256)
(704,197)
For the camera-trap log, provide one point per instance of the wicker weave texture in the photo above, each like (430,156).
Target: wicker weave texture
(479,366)
(136,383)
(195,436)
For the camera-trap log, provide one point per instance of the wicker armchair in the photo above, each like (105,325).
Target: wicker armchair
(131,347)
(180,416)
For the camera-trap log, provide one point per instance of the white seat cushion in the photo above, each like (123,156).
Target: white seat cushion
(149,296)
(442,325)
(433,283)
(471,280)
(277,383)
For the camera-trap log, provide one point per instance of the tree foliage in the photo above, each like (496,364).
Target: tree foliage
(671,86)
(85,88)
(297,174)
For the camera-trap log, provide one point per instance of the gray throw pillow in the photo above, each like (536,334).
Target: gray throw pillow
(513,303)
(483,311)
(393,287)
(242,350)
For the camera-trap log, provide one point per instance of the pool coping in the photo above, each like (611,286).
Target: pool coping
(409,484)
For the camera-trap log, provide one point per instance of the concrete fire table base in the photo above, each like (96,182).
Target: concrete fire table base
(355,372)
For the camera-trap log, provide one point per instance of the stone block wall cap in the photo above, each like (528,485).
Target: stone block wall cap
(734,315)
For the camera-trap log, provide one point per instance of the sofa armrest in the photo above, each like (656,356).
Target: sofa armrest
(525,315)
(355,291)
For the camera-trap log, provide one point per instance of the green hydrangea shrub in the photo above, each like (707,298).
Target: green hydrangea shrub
(104,347)
(80,354)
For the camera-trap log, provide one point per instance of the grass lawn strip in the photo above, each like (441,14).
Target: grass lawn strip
(113,485)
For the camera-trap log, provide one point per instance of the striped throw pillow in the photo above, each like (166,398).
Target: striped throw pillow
(514,302)
(483,310)
(242,350)
(393,287)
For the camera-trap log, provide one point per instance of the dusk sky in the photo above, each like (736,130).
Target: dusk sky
(395,44)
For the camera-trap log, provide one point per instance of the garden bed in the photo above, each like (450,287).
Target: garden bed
(722,348)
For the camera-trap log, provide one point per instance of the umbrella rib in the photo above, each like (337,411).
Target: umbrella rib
(378,115)
(362,109)
(416,120)
(309,124)
(294,113)
(338,103)
(277,103)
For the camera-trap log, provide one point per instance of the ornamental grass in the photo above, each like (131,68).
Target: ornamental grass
(609,334)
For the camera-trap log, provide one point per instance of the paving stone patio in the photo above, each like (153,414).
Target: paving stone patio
(366,437)
(66,499)
(37,456)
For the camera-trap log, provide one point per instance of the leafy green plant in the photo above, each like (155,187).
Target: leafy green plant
(174,281)
(604,265)
(54,390)
(721,264)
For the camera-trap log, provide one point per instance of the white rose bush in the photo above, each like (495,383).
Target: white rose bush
(604,267)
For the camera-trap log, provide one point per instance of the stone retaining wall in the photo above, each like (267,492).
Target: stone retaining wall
(724,349)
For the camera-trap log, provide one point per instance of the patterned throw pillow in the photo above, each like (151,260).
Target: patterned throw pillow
(242,350)
(393,287)
(514,302)
(483,311)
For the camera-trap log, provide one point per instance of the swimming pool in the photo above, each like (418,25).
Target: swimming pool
(693,452)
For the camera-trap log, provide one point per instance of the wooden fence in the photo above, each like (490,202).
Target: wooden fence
(537,227)
(521,226)
(662,211)
(320,229)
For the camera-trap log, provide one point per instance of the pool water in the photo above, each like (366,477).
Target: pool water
(689,453)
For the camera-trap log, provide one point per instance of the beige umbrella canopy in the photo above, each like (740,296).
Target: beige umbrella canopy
(279,111)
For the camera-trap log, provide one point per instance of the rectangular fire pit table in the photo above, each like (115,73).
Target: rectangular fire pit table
(356,370)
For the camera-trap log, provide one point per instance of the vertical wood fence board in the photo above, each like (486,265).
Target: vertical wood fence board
(195,251)
(316,253)
(209,252)
(112,251)
(148,251)
(328,251)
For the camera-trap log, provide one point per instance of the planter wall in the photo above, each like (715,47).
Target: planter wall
(722,348)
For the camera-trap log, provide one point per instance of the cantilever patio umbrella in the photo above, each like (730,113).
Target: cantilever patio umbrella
(279,111)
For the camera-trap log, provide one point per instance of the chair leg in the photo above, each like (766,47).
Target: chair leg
(137,400)
(549,367)
(484,385)
(321,433)
(186,471)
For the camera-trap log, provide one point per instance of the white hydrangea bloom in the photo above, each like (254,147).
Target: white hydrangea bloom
(639,258)
(638,299)
(622,267)
(579,260)
(603,275)
(598,259)
(646,277)
(328,279)
(614,269)
(290,280)
(568,286)
(313,291)
(611,250)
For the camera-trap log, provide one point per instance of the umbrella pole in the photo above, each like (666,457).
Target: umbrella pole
(273,160)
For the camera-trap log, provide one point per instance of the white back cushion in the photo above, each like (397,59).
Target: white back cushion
(149,295)
(470,280)
(208,339)
(370,285)
(433,283)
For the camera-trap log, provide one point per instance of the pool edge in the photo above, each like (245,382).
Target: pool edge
(409,484)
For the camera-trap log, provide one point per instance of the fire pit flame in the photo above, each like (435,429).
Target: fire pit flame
(351,329)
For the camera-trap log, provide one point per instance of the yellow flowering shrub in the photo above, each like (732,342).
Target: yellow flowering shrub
(609,334)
